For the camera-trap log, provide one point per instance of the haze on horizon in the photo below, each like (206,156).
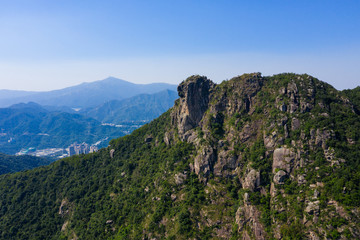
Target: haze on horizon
(47,45)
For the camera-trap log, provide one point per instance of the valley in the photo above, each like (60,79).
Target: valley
(48,130)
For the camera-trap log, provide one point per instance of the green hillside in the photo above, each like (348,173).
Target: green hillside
(354,96)
(10,164)
(251,158)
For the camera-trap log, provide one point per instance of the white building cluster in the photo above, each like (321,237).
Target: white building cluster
(82,148)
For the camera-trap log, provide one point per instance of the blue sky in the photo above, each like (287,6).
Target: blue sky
(47,45)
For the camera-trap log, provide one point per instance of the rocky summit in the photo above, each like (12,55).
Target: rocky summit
(255,157)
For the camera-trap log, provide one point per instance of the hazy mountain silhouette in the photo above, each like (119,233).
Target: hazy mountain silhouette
(140,107)
(84,95)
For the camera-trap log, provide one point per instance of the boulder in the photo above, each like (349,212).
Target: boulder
(251,180)
(112,153)
(313,208)
(301,179)
(270,140)
(180,178)
(283,158)
(64,207)
(168,138)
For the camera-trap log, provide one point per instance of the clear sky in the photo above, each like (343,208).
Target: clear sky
(47,45)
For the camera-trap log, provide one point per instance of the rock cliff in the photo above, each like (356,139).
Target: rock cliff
(267,133)
(254,157)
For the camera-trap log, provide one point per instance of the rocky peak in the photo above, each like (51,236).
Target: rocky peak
(194,95)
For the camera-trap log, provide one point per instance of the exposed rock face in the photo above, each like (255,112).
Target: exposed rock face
(112,151)
(251,180)
(301,179)
(194,95)
(295,124)
(322,137)
(283,158)
(246,142)
(312,207)
(225,164)
(167,138)
(225,123)
(270,141)
(204,162)
(64,207)
(250,215)
(292,93)
(180,178)
(279,177)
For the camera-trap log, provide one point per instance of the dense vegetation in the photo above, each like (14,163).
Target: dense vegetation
(148,184)
(354,96)
(97,189)
(10,164)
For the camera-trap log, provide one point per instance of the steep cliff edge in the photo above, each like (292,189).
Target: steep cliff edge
(254,157)
(282,138)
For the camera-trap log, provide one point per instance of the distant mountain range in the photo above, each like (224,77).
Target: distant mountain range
(30,125)
(84,95)
(141,107)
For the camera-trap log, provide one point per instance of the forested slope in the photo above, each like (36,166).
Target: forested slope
(253,157)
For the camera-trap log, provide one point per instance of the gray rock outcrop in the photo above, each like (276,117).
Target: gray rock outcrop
(194,95)
(283,158)
(205,160)
(250,215)
(180,178)
(251,180)
(280,177)
(112,151)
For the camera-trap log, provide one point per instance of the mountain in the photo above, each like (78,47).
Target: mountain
(10,164)
(86,94)
(30,125)
(141,107)
(254,157)
(4,94)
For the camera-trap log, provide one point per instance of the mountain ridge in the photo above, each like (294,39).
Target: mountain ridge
(251,158)
(143,107)
(88,94)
